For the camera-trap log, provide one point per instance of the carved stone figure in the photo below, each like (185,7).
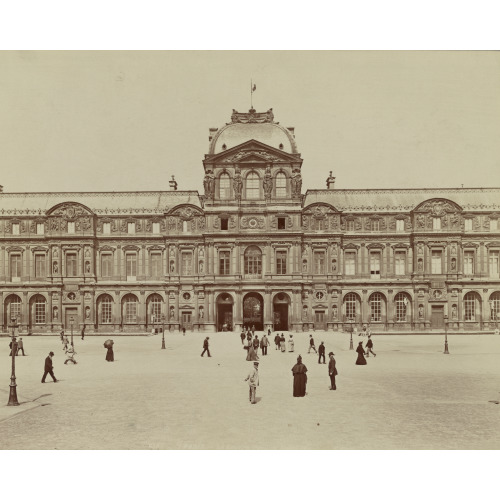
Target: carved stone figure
(268,183)
(172,313)
(296,182)
(305,313)
(453,264)
(334,313)
(334,266)
(454,311)
(202,313)
(208,184)
(55,268)
(421,221)
(304,266)
(87,267)
(55,314)
(237,183)
(420,265)
(200,266)
(172,266)
(55,253)
(421,311)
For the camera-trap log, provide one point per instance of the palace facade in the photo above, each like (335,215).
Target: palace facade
(252,250)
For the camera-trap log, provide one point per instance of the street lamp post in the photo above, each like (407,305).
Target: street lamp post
(13,387)
(351,345)
(163,331)
(71,321)
(446,335)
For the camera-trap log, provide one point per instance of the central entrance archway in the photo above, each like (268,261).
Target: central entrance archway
(281,302)
(253,311)
(224,312)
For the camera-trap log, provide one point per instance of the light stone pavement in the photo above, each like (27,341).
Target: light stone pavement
(411,396)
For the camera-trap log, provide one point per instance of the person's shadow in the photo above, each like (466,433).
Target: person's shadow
(257,399)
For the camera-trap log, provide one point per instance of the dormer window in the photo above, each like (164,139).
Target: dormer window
(15,228)
(281,222)
(224,223)
(252,187)
(280,185)
(224,186)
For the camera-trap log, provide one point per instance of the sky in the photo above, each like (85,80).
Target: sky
(128,121)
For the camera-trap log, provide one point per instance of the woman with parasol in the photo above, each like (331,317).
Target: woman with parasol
(299,378)
(109,346)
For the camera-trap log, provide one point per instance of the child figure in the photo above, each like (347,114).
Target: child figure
(70,353)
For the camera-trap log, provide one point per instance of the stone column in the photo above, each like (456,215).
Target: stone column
(117,309)
(409,261)
(237,311)
(267,310)
(390,308)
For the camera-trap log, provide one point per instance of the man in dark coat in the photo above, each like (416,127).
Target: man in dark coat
(256,343)
(299,379)
(48,368)
(321,352)
(205,348)
(13,347)
(83,332)
(369,347)
(332,371)
(311,345)
(242,337)
(20,346)
(277,340)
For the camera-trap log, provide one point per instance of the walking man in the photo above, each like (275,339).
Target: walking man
(253,381)
(332,371)
(242,337)
(49,368)
(369,347)
(277,340)
(321,351)
(205,348)
(265,342)
(256,344)
(83,332)
(62,336)
(20,346)
(311,345)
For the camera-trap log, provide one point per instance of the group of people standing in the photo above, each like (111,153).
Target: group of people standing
(16,346)
(361,360)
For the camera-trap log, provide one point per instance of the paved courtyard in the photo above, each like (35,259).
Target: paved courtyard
(410,396)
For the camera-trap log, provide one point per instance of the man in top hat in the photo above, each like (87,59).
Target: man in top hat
(20,346)
(49,368)
(253,381)
(321,352)
(205,348)
(332,371)
(311,345)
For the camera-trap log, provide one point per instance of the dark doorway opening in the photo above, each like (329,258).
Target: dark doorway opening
(253,311)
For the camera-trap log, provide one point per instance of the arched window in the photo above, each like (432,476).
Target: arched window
(350,306)
(402,306)
(494,306)
(155,308)
(470,302)
(13,308)
(105,308)
(376,300)
(130,309)
(252,186)
(253,261)
(224,186)
(40,306)
(280,185)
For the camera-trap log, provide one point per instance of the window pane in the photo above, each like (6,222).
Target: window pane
(350,263)
(375,265)
(71,268)
(106,228)
(350,306)
(281,257)
(400,260)
(130,310)
(224,186)
(402,307)
(40,228)
(156,265)
(468,224)
(39,310)
(400,225)
(71,228)
(15,266)
(131,227)
(319,262)
(156,227)
(40,266)
(281,185)
(253,261)
(494,265)
(468,262)
(106,308)
(252,186)
(469,307)
(187,264)
(436,262)
(224,262)
(376,307)
(131,259)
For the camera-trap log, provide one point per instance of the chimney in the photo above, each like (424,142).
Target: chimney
(173,184)
(330,182)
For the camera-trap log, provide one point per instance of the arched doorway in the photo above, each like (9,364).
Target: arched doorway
(154,306)
(253,311)
(12,310)
(281,302)
(104,314)
(224,312)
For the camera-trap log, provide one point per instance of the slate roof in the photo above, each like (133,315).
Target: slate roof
(403,200)
(137,202)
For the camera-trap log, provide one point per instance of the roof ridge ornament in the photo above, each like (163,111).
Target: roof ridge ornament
(252,116)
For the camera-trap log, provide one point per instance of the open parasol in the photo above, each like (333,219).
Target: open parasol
(108,343)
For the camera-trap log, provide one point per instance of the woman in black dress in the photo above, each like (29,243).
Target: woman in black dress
(361,354)
(299,379)
(110,356)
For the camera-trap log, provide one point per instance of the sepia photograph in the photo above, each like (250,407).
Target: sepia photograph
(288,242)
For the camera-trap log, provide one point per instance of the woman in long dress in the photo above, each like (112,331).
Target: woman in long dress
(252,355)
(299,379)
(283,343)
(110,355)
(291,344)
(361,354)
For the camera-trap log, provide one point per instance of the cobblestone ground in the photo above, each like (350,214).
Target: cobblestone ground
(410,396)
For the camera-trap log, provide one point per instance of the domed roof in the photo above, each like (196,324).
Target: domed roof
(253,125)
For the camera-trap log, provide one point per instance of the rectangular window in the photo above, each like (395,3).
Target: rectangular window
(106,307)
(319,262)
(375,258)
(185,226)
(281,257)
(375,225)
(400,263)
(436,223)
(156,228)
(280,186)
(320,224)
(400,225)
(106,228)
(437,267)
(71,268)
(186,317)
(106,265)
(40,266)
(71,227)
(224,266)
(131,311)
(224,224)
(224,187)
(40,312)
(131,227)
(15,267)
(468,224)
(156,265)
(187,263)
(493,225)
(493,261)
(319,317)
(253,186)
(131,263)
(469,308)
(281,223)
(350,225)
(350,263)
(468,262)
(15,228)
(40,228)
